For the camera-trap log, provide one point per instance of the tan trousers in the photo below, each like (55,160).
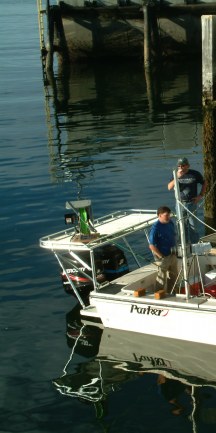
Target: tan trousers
(167,273)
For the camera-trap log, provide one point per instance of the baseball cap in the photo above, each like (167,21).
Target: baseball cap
(183,161)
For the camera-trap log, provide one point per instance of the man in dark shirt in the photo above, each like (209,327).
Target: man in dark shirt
(188,180)
(162,242)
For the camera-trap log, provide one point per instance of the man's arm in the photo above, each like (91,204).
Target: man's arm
(156,251)
(171,184)
(202,193)
(203,189)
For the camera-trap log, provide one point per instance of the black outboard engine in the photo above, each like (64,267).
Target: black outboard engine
(114,262)
(110,263)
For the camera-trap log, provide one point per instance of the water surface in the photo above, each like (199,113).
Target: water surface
(100,135)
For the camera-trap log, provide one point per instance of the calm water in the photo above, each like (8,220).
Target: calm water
(99,135)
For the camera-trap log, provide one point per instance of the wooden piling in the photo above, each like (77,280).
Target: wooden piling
(60,45)
(209,114)
(209,157)
(147,36)
(208,58)
(50,33)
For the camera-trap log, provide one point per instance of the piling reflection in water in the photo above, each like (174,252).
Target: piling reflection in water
(99,107)
(181,376)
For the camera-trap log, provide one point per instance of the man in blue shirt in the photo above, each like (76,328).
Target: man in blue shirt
(188,180)
(162,243)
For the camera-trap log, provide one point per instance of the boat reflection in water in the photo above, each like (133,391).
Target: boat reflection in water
(102,361)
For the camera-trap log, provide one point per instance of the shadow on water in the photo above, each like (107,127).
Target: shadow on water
(108,366)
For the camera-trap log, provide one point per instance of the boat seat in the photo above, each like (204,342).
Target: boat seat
(142,278)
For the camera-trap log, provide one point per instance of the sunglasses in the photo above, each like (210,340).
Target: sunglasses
(182,165)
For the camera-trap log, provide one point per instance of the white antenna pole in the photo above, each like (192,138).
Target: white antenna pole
(180,217)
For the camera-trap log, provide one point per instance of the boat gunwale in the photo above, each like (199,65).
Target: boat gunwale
(177,302)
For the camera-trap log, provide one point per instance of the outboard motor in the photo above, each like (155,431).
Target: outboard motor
(81,282)
(114,262)
(110,263)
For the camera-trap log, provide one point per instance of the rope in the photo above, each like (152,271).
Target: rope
(193,214)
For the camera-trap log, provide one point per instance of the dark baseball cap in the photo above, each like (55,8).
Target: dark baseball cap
(183,161)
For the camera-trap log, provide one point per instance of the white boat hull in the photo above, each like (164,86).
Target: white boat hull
(194,321)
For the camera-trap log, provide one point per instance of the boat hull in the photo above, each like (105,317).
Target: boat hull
(192,320)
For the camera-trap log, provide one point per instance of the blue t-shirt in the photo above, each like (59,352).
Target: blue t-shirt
(188,184)
(163,236)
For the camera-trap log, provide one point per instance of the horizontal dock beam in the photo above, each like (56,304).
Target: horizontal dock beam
(133,11)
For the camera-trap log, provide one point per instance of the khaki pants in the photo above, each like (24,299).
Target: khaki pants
(167,273)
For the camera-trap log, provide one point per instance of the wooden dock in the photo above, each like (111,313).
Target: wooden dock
(124,31)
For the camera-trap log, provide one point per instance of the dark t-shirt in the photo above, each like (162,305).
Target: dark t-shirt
(188,184)
(163,236)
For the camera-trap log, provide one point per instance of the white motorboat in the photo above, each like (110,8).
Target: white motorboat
(130,302)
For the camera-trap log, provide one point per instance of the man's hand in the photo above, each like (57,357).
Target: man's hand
(195,200)
(180,172)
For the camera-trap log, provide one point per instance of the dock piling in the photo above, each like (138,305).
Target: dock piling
(208,23)
(209,112)
(147,36)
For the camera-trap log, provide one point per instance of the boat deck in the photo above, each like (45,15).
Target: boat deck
(119,293)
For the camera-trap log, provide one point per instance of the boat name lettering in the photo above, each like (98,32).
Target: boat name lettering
(148,310)
(155,362)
